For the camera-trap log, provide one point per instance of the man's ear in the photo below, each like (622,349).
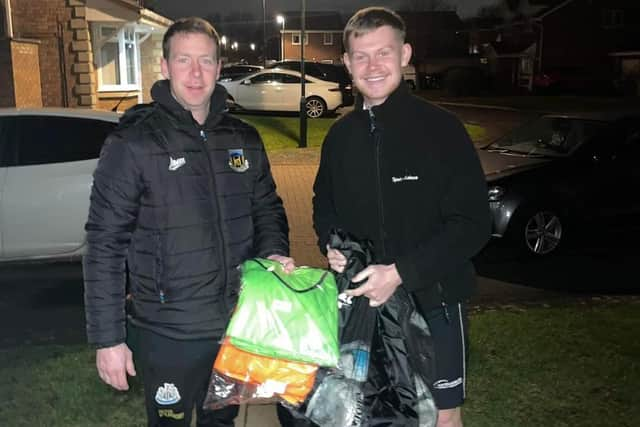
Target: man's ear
(406,54)
(218,69)
(164,68)
(347,61)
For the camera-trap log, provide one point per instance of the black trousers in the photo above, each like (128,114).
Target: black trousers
(175,376)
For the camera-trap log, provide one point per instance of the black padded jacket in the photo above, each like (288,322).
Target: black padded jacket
(184,204)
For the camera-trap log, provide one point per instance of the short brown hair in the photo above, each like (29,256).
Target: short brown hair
(372,18)
(190,25)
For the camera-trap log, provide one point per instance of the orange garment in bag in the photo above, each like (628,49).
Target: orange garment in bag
(291,381)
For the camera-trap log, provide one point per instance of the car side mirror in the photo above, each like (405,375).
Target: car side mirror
(246,82)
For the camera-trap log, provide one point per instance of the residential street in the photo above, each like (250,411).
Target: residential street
(43,303)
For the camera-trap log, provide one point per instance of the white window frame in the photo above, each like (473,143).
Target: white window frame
(327,39)
(297,35)
(99,42)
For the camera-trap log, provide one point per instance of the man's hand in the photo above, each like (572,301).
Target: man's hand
(114,363)
(337,260)
(288,263)
(382,281)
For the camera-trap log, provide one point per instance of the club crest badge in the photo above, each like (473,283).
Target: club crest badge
(167,394)
(237,161)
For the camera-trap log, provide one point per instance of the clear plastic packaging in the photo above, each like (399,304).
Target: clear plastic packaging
(289,316)
(243,377)
(337,401)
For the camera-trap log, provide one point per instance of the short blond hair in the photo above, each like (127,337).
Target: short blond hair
(372,18)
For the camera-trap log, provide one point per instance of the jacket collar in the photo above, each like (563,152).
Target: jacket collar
(391,107)
(161,94)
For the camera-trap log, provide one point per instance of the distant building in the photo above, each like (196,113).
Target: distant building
(323,36)
(575,45)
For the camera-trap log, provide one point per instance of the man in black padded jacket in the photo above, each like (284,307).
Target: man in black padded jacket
(183,194)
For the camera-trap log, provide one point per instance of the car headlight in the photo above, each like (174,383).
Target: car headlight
(495,193)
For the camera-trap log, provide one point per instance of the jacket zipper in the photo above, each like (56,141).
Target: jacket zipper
(223,245)
(377,139)
(159,268)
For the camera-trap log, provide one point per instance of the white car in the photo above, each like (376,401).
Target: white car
(278,89)
(47,159)
(409,75)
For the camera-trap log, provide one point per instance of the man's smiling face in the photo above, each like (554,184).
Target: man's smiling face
(375,60)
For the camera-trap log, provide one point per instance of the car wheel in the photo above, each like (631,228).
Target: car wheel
(316,107)
(539,232)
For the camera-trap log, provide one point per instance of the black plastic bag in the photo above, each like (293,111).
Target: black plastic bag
(399,362)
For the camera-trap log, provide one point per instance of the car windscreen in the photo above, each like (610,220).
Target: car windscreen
(547,136)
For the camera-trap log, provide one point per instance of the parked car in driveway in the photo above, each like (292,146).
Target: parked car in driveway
(330,72)
(279,90)
(564,172)
(47,159)
(234,71)
(410,76)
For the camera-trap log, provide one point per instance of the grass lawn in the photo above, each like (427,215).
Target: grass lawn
(282,132)
(561,366)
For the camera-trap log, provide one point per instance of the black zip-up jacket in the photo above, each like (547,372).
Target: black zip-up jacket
(184,204)
(406,176)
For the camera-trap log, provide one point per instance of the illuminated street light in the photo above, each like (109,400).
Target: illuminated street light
(252,46)
(223,42)
(280,20)
(234,46)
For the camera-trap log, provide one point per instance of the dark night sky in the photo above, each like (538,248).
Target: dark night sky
(178,8)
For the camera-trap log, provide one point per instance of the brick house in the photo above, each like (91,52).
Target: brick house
(583,42)
(323,37)
(78,53)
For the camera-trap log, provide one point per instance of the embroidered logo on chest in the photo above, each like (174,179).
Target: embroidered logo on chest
(175,164)
(237,161)
(396,179)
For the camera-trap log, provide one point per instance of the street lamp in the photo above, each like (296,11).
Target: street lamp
(303,100)
(280,20)
(223,41)
(252,46)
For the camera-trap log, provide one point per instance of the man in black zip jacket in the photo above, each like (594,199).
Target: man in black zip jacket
(404,174)
(183,193)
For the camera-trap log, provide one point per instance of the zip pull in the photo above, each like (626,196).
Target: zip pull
(443,303)
(445,310)
(203,135)
(162,298)
(372,121)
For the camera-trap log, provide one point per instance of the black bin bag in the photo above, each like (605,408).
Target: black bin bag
(386,357)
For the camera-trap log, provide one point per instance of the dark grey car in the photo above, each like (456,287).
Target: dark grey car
(563,171)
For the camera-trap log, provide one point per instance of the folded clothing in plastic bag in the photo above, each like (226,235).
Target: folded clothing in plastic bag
(287,316)
(265,377)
